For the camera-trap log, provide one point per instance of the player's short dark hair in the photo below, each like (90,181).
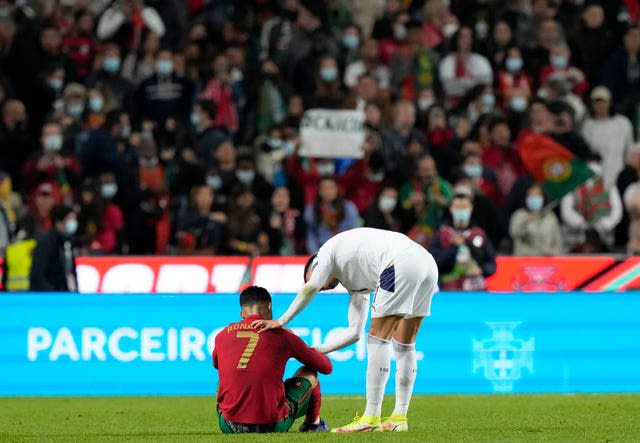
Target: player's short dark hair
(307,265)
(254,295)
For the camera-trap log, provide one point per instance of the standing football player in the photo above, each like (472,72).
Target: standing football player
(251,394)
(403,277)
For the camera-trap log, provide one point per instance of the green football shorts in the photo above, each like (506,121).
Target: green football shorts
(298,391)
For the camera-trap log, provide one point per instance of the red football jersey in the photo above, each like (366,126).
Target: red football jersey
(251,367)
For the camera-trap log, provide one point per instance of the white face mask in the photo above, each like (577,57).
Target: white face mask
(425,103)
(108,190)
(214,182)
(326,168)
(375,177)
(449,29)
(70,226)
(387,204)
(245,176)
(52,143)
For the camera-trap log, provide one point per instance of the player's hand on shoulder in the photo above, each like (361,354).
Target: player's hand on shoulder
(265,325)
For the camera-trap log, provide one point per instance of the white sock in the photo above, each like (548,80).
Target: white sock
(378,362)
(406,370)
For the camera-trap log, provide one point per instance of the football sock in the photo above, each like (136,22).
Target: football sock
(378,362)
(406,370)
(313,410)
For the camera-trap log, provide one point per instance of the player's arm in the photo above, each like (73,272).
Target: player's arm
(357,315)
(308,356)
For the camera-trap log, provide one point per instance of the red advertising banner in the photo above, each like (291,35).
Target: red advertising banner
(125,274)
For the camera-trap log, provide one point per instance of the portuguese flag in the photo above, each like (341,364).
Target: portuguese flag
(552,165)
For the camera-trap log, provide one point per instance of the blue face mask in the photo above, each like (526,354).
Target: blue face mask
(56,84)
(514,64)
(534,202)
(164,67)
(328,73)
(111,64)
(518,104)
(75,109)
(96,103)
(125,132)
(195,119)
(473,170)
(488,100)
(350,41)
(558,61)
(461,216)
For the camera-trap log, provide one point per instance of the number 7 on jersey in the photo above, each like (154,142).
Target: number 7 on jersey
(248,350)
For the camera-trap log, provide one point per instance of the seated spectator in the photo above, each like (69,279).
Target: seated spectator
(591,207)
(386,213)
(53,164)
(100,222)
(96,109)
(200,230)
(396,138)
(439,136)
(608,134)
(464,254)
(286,226)
(165,94)
(328,215)
(246,234)
(426,196)
(246,175)
(16,143)
(305,173)
(632,207)
(484,179)
(39,204)
(534,229)
(53,266)
(207,136)
(463,69)
(502,158)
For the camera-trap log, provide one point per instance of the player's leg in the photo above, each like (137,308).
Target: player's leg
(303,392)
(379,351)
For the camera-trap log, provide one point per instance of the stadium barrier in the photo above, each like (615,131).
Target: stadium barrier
(116,344)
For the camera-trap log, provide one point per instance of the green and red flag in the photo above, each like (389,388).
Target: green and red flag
(552,165)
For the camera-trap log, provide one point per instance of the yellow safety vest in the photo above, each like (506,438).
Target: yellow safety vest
(18,258)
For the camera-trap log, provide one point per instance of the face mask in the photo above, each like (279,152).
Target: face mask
(52,143)
(488,100)
(558,61)
(350,41)
(387,204)
(289,147)
(534,202)
(125,132)
(214,182)
(518,104)
(245,176)
(473,170)
(465,190)
(96,103)
(482,29)
(70,226)
(376,177)
(75,109)
(55,84)
(400,32)
(326,168)
(274,143)
(164,67)
(461,216)
(108,190)
(513,64)
(425,103)
(149,162)
(111,64)
(195,119)
(449,29)
(328,73)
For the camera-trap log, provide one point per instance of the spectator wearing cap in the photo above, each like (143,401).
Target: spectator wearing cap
(80,45)
(52,163)
(107,77)
(165,94)
(463,69)
(53,267)
(621,73)
(608,134)
(127,21)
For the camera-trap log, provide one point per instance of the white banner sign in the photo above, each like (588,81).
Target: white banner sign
(331,133)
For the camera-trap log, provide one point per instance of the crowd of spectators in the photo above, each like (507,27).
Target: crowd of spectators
(172,127)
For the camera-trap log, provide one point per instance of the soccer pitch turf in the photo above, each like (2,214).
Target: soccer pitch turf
(455,418)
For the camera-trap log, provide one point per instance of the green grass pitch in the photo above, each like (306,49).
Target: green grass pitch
(432,418)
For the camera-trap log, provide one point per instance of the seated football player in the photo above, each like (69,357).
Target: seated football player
(251,394)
